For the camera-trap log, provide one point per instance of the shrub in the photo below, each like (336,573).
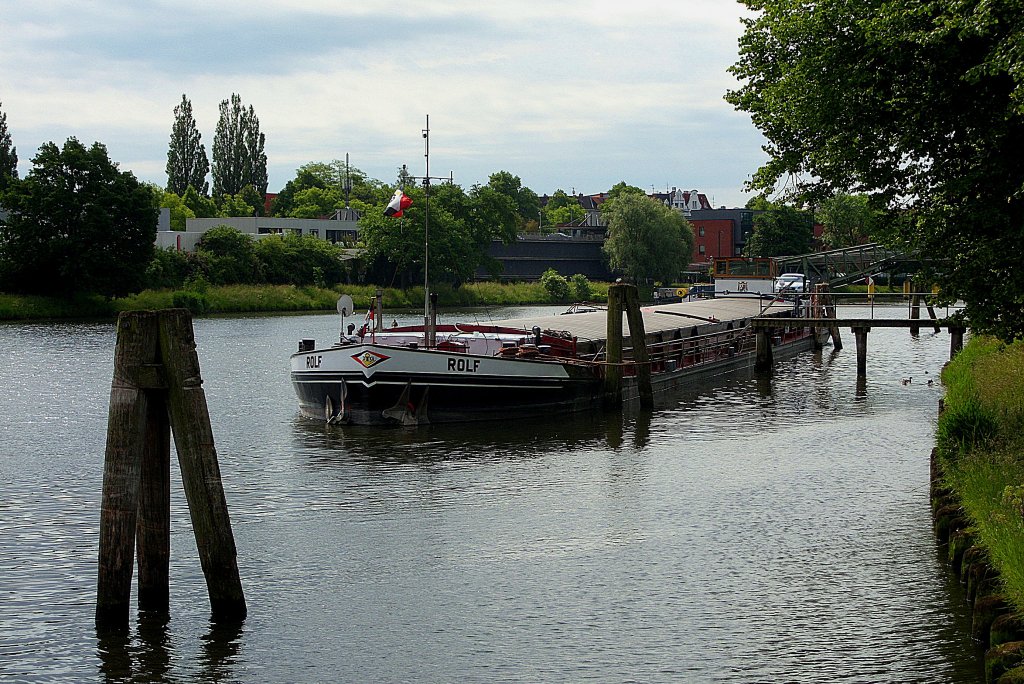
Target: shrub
(195,302)
(555,285)
(580,288)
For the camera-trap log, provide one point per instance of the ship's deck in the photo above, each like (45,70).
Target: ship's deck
(658,318)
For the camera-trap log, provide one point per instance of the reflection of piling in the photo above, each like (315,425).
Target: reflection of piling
(157,390)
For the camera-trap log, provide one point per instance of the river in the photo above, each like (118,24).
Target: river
(742,532)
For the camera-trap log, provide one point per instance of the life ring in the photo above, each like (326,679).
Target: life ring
(682,292)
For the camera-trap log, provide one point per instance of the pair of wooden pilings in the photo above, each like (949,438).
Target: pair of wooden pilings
(156,391)
(625,296)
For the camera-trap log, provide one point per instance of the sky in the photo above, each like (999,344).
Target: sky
(566,94)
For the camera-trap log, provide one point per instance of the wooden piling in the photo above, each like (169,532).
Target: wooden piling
(861,335)
(956,341)
(915,313)
(378,305)
(122,468)
(613,347)
(157,390)
(200,472)
(638,340)
(935,319)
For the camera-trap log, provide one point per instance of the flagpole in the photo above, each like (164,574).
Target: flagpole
(427,329)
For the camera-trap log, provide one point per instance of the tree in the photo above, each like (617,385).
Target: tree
(647,240)
(8,155)
(562,209)
(919,106)
(229,256)
(525,200)
(77,224)
(187,164)
(238,157)
(201,206)
(781,231)
(848,220)
(180,212)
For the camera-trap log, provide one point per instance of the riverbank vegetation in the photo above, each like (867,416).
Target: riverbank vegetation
(202,298)
(980,439)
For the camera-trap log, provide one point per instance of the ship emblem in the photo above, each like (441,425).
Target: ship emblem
(369,359)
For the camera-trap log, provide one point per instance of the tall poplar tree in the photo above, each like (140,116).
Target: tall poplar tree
(8,155)
(187,163)
(238,157)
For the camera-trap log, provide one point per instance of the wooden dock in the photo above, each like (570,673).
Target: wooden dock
(860,327)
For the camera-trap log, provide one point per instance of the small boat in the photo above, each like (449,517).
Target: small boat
(522,367)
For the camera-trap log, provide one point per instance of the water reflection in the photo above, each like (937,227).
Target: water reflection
(148,654)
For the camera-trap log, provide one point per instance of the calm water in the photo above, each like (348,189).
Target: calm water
(742,533)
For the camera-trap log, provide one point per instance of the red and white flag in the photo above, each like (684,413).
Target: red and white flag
(399,203)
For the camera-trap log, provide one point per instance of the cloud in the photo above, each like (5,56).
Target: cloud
(547,90)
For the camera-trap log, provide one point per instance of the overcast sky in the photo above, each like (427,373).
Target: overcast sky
(569,94)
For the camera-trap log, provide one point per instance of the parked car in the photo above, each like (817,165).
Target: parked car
(790,282)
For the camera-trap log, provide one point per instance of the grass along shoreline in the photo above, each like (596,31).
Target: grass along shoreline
(275,298)
(980,440)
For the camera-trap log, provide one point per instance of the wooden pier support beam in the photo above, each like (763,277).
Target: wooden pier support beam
(638,340)
(763,359)
(860,333)
(915,313)
(613,348)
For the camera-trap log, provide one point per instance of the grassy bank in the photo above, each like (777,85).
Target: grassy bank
(276,298)
(981,447)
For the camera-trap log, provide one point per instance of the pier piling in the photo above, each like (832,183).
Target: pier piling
(613,347)
(860,333)
(157,391)
(638,340)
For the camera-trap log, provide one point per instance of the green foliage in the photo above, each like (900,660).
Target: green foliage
(195,302)
(580,288)
(647,240)
(562,209)
(525,202)
(300,260)
(848,220)
(555,285)
(187,164)
(234,205)
(76,224)
(200,205)
(921,106)
(8,155)
(980,440)
(781,231)
(228,256)
(169,268)
(238,156)
(180,213)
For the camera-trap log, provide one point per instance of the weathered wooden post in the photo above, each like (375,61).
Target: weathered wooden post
(378,319)
(122,468)
(915,312)
(956,340)
(638,340)
(157,389)
(763,360)
(613,347)
(861,335)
